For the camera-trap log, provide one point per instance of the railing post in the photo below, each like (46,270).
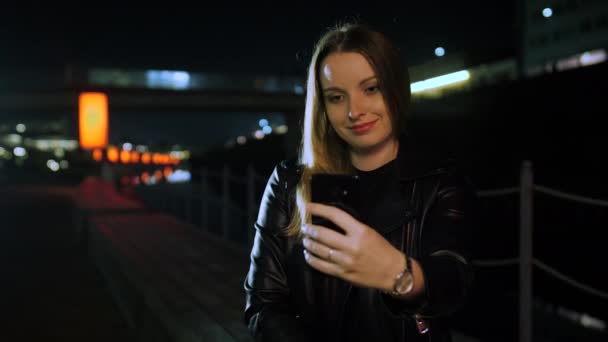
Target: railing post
(166,201)
(172,201)
(525,252)
(188,204)
(250,203)
(204,199)
(226,202)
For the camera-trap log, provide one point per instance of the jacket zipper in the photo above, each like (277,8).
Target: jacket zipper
(342,308)
(422,324)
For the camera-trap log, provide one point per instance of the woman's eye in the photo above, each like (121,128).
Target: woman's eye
(372,89)
(334,98)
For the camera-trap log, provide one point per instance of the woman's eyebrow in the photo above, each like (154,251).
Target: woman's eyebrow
(367,79)
(332,89)
(339,89)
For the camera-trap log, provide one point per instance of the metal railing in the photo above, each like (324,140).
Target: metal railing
(219,209)
(216,188)
(526,259)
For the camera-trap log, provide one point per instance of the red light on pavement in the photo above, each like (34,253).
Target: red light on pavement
(125,180)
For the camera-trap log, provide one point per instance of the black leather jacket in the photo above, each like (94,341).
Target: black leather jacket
(287,300)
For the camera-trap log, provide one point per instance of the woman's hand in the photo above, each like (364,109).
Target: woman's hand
(360,256)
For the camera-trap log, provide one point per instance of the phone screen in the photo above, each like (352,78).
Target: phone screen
(340,191)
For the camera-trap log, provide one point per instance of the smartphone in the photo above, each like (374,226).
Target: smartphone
(341,191)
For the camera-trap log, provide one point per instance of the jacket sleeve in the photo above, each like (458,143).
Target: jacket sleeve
(445,246)
(267,311)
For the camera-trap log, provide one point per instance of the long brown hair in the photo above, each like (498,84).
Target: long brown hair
(322,150)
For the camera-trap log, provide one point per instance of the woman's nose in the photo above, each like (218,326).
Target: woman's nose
(356,109)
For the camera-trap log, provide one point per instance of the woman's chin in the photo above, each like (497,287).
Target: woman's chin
(366,143)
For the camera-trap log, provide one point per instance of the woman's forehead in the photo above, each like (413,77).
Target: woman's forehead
(344,68)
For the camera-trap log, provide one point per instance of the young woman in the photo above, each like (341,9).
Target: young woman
(395,275)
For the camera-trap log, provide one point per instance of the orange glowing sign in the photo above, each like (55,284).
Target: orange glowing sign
(158,175)
(93,120)
(97,154)
(145,158)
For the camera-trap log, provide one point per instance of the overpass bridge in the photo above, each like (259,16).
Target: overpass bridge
(46,94)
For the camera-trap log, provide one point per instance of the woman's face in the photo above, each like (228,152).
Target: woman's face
(354,102)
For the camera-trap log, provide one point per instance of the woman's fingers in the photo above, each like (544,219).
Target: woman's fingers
(327,237)
(323,265)
(327,253)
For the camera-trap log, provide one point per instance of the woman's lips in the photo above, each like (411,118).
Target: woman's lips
(363,128)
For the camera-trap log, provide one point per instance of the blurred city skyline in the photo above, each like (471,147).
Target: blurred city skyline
(235,39)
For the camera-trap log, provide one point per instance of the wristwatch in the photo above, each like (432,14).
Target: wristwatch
(404,281)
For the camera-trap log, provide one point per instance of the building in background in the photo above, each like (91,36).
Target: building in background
(563,34)
(555,36)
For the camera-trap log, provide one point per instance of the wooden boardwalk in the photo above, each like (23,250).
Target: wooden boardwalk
(49,289)
(171,281)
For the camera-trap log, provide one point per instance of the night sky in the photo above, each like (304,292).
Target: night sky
(271,37)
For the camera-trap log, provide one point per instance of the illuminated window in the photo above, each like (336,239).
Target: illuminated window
(168,79)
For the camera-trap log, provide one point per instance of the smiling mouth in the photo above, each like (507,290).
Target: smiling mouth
(363,126)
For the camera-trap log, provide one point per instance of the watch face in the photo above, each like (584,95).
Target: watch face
(405,283)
